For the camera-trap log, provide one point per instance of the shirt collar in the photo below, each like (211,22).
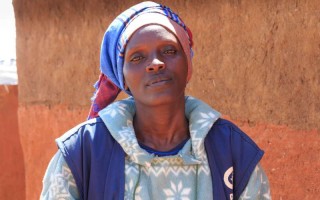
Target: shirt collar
(118,118)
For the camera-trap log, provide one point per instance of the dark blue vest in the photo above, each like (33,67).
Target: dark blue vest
(97,161)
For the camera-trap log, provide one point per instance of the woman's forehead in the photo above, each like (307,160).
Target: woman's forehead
(152,32)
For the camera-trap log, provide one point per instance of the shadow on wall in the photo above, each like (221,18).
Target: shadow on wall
(12,177)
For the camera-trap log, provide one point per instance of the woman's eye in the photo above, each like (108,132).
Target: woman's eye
(170,52)
(136,58)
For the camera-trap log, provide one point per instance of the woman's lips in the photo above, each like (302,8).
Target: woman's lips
(158,81)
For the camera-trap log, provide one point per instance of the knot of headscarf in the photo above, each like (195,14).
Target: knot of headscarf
(114,42)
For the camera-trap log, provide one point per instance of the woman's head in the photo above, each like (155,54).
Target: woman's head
(121,29)
(155,66)
(118,35)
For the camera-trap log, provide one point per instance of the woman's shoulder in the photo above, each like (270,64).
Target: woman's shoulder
(83,128)
(225,122)
(225,136)
(226,128)
(90,131)
(234,152)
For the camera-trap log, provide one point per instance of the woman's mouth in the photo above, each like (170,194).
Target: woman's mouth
(158,81)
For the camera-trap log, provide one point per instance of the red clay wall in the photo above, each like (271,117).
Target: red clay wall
(255,61)
(12,176)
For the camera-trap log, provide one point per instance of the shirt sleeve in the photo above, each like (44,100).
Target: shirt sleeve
(257,187)
(58,181)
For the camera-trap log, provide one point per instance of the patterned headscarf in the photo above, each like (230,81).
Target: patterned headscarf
(114,42)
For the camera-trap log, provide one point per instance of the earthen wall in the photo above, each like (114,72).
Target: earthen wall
(257,62)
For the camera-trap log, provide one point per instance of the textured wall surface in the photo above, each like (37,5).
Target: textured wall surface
(39,126)
(253,59)
(257,62)
(12,176)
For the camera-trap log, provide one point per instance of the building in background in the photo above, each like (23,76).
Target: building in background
(8,70)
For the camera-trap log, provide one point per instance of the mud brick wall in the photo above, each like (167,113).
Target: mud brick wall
(257,62)
(12,176)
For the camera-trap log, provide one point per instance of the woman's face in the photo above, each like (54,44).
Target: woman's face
(155,67)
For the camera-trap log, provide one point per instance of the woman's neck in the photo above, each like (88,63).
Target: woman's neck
(162,127)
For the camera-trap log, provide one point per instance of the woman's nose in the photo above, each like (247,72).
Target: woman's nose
(155,66)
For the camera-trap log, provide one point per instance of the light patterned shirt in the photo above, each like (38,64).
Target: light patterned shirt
(183,176)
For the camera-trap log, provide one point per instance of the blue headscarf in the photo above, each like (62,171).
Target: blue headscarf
(114,42)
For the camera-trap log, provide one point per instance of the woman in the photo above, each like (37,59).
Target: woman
(159,143)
